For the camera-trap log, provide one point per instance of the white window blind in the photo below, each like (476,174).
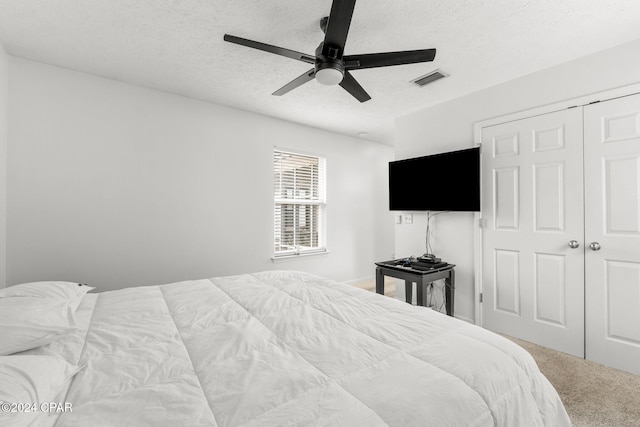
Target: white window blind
(299,203)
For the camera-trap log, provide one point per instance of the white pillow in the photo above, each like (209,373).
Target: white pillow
(65,290)
(31,379)
(30,322)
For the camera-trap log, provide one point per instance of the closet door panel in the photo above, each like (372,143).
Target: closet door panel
(612,214)
(533,282)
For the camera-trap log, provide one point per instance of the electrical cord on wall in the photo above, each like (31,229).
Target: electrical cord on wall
(431,301)
(431,298)
(430,295)
(428,242)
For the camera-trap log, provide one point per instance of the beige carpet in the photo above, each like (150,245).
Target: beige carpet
(593,394)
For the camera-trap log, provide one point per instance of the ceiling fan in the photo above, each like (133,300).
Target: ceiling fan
(330,65)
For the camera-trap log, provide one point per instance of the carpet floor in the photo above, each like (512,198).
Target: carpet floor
(593,394)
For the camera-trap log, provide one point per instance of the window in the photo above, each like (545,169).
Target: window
(299,203)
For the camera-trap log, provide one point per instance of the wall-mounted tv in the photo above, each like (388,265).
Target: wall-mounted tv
(440,182)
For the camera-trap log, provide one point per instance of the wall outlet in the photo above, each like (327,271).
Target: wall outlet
(398,219)
(407,219)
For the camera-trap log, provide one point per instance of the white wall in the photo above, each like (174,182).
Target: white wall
(449,126)
(4,79)
(117,185)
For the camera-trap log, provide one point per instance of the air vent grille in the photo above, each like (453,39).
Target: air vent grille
(429,78)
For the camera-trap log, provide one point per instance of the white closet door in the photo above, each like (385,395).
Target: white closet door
(612,196)
(533,281)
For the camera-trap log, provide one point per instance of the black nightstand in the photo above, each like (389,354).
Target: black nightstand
(422,275)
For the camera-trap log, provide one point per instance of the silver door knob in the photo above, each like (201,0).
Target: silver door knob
(595,246)
(573,244)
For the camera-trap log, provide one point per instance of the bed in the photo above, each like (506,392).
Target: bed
(277,348)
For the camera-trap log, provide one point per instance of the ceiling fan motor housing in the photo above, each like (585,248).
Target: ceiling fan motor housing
(329,66)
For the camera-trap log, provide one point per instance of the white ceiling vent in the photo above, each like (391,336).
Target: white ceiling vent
(429,78)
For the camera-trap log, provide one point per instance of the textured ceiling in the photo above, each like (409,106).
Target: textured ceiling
(177,46)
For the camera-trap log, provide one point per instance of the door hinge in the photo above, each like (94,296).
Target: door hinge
(481,296)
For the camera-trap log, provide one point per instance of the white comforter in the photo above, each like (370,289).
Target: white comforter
(289,348)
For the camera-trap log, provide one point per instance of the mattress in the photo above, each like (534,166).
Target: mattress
(284,348)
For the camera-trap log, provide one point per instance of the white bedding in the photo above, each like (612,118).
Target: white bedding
(288,348)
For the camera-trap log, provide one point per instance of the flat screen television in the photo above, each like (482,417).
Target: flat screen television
(440,182)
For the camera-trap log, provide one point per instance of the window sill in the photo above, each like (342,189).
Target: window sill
(282,258)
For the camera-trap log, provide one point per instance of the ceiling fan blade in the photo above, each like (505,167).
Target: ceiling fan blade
(271,49)
(338,25)
(353,87)
(298,81)
(372,60)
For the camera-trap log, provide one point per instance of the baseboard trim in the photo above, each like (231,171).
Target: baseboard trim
(362,279)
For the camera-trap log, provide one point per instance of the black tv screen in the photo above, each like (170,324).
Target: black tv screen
(440,182)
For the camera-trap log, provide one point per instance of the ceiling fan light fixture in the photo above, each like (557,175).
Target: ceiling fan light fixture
(329,76)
